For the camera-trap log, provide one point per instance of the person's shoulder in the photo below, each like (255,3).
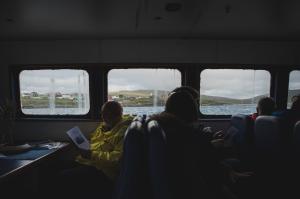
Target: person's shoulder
(126,120)
(169,121)
(253,116)
(281,113)
(100,127)
(127,117)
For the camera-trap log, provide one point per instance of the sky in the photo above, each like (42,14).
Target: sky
(235,83)
(295,80)
(240,84)
(65,81)
(225,83)
(139,79)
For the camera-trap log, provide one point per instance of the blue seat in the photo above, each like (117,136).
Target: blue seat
(272,156)
(173,164)
(268,139)
(157,158)
(242,140)
(132,181)
(295,173)
(296,143)
(297,135)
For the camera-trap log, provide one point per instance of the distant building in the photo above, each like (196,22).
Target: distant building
(34,94)
(67,96)
(26,94)
(115,97)
(58,94)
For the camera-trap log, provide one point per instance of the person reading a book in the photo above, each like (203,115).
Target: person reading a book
(101,162)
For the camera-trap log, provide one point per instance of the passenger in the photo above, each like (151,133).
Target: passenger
(265,106)
(193,92)
(295,108)
(291,116)
(98,167)
(190,151)
(207,131)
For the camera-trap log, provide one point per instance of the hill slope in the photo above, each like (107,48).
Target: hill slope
(205,99)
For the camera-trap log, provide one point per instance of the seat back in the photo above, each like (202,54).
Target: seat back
(267,136)
(173,162)
(297,139)
(157,159)
(132,181)
(273,164)
(242,140)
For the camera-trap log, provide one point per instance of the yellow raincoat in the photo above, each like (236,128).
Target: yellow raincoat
(107,148)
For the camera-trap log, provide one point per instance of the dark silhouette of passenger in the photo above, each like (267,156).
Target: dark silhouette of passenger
(290,116)
(212,135)
(192,158)
(265,106)
(193,92)
(295,108)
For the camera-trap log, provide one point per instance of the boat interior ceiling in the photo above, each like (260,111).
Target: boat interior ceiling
(135,19)
(144,33)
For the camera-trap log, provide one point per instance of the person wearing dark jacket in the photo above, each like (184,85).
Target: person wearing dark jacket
(265,106)
(194,164)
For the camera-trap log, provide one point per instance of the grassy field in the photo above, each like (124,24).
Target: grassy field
(44,103)
(139,98)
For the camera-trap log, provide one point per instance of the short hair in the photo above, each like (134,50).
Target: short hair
(266,105)
(195,94)
(114,108)
(183,106)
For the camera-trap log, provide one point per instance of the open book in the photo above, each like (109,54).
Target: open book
(78,138)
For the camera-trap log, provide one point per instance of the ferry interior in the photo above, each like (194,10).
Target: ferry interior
(61,60)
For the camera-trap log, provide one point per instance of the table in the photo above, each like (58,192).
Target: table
(18,164)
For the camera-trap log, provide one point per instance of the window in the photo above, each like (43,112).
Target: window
(294,86)
(232,91)
(54,92)
(142,91)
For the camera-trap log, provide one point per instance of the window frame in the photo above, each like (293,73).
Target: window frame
(190,76)
(289,75)
(98,86)
(110,67)
(15,91)
(267,68)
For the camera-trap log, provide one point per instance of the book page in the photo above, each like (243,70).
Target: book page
(78,138)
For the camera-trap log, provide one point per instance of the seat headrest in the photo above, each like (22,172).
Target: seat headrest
(154,127)
(267,133)
(239,118)
(297,127)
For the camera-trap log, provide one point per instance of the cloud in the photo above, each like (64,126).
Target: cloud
(45,81)
(294,80)
(150,79)
(235,83)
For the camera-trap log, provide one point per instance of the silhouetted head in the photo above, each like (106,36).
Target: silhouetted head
(266,106)
(195,94)
(183,106)
(296,103)
(111,113)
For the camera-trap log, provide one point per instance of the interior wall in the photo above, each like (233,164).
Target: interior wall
(131,51)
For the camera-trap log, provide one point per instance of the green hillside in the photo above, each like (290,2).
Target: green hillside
(145,98)
(138,93)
